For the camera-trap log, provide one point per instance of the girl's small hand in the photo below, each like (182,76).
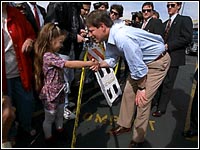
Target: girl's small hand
(95,62)
(95,66)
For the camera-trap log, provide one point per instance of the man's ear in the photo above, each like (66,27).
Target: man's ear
(102,26)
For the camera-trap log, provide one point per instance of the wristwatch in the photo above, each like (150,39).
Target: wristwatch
(141,88)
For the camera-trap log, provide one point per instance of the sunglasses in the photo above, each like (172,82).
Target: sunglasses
(112,12)
(148,10)
(171,5)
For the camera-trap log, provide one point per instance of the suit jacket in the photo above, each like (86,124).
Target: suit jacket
(155,26)
(30,16)
(178,38)
(67,15)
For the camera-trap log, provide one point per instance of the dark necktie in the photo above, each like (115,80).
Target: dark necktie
(37,17)
(167,29)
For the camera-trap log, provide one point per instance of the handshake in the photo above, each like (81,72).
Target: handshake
(95,65)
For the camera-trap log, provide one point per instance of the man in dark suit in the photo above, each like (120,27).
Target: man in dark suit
(178,35)
(27,8)
(151,24)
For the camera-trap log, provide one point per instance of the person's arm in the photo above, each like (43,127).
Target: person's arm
(80,64)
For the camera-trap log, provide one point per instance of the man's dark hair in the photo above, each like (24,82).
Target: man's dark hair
(118,8)
(137,14)
(148,4)
(98,4)
(179,4)
(85,3)
(105,4)
(156,13)
(96,17)
(134,16)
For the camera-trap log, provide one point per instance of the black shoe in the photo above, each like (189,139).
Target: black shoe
(134,144)
(190,133)
(157,113)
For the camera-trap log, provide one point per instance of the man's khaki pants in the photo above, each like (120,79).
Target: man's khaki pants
(157,70)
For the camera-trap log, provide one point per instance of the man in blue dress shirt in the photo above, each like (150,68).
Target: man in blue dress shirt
(148,64)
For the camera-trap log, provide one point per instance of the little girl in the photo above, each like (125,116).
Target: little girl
(49,75)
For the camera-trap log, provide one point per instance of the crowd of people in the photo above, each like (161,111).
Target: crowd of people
(42,49)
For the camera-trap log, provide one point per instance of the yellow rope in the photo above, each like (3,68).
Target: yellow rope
(116,68)
(78,104)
